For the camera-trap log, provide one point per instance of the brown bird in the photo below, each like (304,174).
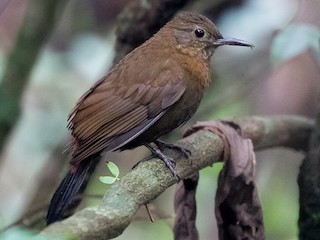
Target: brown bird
(151,91)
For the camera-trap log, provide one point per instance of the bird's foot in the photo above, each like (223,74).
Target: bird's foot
(183,151)
(169,162)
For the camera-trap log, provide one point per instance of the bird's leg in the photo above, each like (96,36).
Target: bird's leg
(183,151)
(170,162)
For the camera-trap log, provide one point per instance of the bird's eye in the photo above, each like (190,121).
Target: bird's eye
(199,32)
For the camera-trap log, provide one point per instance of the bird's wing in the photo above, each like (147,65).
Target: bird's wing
(111,109)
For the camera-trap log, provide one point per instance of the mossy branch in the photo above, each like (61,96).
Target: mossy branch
(151,178)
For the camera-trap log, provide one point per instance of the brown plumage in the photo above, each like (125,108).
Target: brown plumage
(151,91)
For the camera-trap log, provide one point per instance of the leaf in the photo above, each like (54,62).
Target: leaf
(185,209)
(293,40)
(237,203)
(107,179)
(113,169)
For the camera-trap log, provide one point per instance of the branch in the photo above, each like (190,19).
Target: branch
(140,20)
(285,131)
(37,25)
(309,187)
(151,178)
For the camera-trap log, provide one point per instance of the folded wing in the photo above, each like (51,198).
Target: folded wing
(112,113)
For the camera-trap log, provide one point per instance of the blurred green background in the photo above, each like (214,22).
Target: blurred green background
(281,75)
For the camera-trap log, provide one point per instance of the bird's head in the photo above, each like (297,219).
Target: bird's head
(195,33)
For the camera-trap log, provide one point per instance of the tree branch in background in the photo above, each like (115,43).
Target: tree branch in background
(36,27)
(141,20)
(151,178)
(309,187)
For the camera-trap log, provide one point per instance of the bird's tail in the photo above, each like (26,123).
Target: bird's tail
(73,183)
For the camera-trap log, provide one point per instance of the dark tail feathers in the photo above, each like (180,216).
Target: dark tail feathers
(72,183)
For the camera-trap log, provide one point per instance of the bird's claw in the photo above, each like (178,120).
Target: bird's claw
(169,162)
(183,151)
(141,161)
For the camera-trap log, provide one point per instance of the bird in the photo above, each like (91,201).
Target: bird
(154,89)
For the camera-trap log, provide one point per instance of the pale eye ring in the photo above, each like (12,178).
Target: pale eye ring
(199,32)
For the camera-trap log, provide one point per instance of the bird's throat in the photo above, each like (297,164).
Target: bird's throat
(197,63)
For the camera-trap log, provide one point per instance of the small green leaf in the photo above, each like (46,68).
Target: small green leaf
(113,169)
(107,179)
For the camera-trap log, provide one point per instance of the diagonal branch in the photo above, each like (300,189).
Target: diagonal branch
(150,179)
(37,25)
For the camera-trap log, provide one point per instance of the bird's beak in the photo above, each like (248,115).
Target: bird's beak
(231,41)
